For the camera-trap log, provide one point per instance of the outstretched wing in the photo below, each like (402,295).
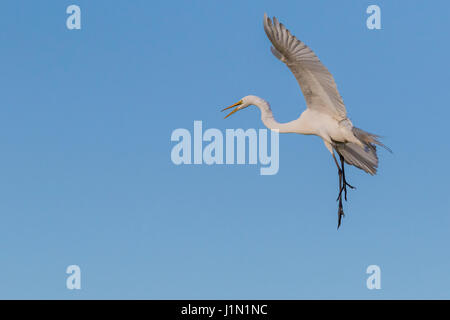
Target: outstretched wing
(316,82)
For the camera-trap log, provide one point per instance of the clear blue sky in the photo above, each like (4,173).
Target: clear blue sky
(86,175)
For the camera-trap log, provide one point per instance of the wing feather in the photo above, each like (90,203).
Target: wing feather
(316,82)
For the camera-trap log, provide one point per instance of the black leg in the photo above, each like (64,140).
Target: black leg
(340,177)
(339,198)
(343,184)
(344,181)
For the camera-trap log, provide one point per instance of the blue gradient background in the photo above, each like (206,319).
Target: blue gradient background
(86,176)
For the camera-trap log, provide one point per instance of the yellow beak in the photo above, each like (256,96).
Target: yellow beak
(234,105)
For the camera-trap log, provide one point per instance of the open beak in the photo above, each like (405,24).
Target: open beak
(237,104)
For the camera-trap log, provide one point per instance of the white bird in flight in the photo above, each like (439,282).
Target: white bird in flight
(325,115)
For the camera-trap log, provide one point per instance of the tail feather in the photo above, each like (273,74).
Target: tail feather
(365,157)
(368,138)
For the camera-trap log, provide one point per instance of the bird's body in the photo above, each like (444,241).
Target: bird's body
(310,122)
(325,115)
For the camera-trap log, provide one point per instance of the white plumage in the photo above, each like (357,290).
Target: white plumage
(325,115)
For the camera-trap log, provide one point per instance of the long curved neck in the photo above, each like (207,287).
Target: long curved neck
(270,122)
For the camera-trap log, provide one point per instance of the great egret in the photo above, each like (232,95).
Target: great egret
(325,115)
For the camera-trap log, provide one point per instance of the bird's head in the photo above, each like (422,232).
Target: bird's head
(241,104)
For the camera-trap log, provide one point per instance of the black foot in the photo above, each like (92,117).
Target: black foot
(340,213)
(343,187)
(343,184)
